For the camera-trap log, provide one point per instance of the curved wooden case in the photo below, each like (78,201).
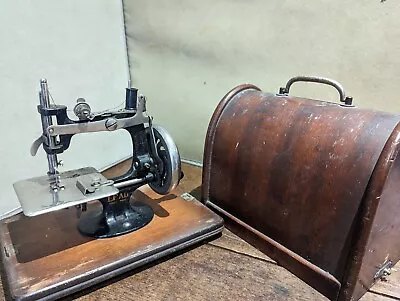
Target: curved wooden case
(314,184)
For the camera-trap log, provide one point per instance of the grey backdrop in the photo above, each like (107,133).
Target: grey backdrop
(186,55)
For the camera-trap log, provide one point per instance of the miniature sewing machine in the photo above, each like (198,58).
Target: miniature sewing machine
(49,252)
(156,162)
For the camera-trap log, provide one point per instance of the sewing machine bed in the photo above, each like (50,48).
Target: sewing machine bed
(46,256)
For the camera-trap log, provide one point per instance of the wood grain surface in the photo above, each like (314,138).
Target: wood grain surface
(224,269)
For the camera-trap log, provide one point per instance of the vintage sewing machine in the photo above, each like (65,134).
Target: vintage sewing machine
(49,252)
(156,162)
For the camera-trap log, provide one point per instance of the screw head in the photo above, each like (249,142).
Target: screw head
(111,124)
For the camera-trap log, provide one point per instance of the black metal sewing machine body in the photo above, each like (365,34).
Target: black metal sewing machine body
(155,161)
(139,134)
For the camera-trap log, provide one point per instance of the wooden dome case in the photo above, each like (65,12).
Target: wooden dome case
(313,184)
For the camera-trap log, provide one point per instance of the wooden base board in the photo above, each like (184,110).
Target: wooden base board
(46,257)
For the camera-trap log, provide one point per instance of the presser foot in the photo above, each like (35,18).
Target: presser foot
(115,219)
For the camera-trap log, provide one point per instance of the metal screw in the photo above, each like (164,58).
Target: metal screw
(384,270)
(146,165)
(51,131)
(111,124)
(387,272)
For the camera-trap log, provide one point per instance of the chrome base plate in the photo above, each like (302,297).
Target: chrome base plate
(36,197)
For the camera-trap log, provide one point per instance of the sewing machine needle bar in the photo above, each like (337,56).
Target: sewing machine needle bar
(46,122)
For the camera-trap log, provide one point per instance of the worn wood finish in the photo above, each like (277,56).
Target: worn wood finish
(47,256)
(293,173)
(212,272)
(377,239)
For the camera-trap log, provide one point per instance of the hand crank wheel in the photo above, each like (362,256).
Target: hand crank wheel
(169,169)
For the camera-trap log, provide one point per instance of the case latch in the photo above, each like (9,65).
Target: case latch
(384,271)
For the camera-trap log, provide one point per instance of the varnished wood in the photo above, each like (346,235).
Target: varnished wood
(47,256)
(295,173)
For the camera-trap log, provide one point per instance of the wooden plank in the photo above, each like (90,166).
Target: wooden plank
(374,297)
(231,242)
(209,273)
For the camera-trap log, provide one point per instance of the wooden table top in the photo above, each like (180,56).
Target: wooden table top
(226,268)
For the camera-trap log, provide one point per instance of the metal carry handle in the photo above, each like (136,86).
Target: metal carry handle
(348,101)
